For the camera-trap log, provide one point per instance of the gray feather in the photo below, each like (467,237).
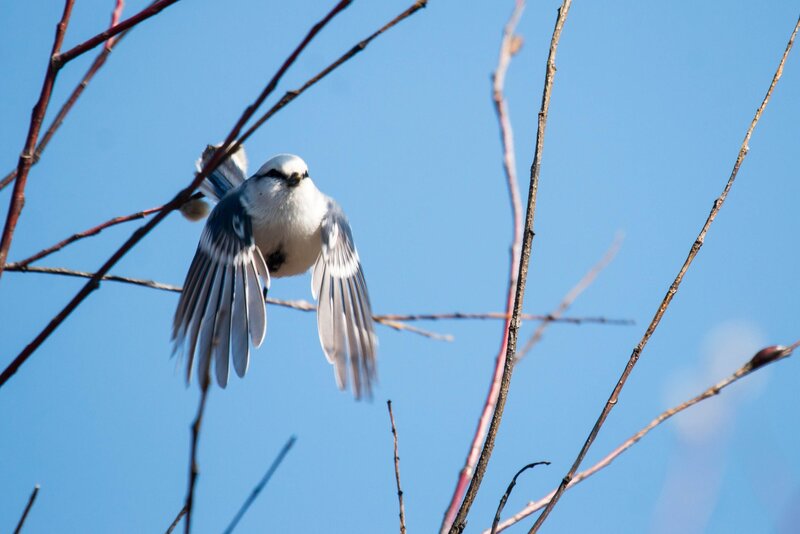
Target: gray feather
(240,347)
(222,328)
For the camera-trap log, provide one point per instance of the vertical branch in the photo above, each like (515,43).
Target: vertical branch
(509,45)
(513,330)
(37,116)
(397,471)
(28,507)
(662,308)
(193,469)
(260,486)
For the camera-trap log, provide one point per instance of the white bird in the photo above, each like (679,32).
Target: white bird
(276,223)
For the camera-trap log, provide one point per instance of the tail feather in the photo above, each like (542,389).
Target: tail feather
(229,174)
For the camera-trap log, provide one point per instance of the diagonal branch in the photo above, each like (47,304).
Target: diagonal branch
(261,484)
(27,510)
(173,204)
(662,308)
(513,331)
(761,359)
(571,295)
(507,494)
(193,469)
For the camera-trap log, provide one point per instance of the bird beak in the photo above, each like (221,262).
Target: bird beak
(294,179)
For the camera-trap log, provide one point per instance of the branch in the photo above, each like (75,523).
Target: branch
(513,330)
(397,471)
(155,8)
(28,507)
(507,494)
(509,45)
(301,305)
(261,484)
(176,520)
(571,295)
(761,359)
(98,62)
(500,315)
(695,248)
(193,470)
(26,157)
(176,202)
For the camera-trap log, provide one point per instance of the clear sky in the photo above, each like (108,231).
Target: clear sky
(650,105)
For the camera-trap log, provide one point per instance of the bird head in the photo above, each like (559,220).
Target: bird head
(288,168)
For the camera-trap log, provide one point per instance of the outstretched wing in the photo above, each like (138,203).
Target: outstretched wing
(344,315)
(222,299)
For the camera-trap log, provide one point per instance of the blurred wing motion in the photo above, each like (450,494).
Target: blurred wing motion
(222,299)
(229,174)
(344,316)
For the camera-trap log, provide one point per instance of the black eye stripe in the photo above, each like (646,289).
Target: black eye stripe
(274,173)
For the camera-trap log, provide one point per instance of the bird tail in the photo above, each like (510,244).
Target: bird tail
(229,174)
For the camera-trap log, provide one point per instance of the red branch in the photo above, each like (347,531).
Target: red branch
(508,46)
(26,158)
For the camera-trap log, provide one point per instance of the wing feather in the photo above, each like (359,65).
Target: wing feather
(222,299)
(344,316)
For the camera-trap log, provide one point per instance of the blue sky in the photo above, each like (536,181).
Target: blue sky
(649,108)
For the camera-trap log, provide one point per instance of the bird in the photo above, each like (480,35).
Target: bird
(275,223)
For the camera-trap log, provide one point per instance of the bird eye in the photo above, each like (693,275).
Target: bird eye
(305,174)
(274,173)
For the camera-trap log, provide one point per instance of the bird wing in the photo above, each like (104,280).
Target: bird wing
(344,315)
(222,300)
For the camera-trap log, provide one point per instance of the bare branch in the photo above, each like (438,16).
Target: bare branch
(397,471)
(153,9)
(28,507)
(261,484)
(301,305)
(460,521)
(662,308)
(572,294)
(177,520)
(193,469)
(98,62)
(507,494)
(500,315)
(509,44)
(762,358)
(26,157)
(173,204)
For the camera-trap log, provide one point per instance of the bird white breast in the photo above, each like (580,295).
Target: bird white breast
(287,221)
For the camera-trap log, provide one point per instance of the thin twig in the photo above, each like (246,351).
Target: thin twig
(193,469)
(488,446)
(81,235)
(301,305)
(397,471)
(98,62)
(153,9)
(28,507)
(176,520)
(500,315)
(507,494)
(26,157)
(175,203)
(261,484)
(762,358)
(662,308)
(571,295)
(509,45)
